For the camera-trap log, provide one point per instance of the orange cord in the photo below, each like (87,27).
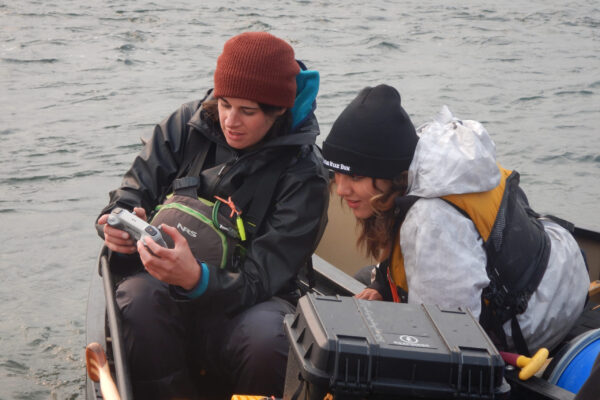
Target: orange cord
(231,205)
(393,289)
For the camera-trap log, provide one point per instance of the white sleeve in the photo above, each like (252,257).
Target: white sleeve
(443,256)
(559,299)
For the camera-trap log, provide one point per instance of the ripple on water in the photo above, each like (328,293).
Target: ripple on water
(31,61)
(32,395)
(14,367)
(127,47)
(530,98)
(576,158)
(574,92)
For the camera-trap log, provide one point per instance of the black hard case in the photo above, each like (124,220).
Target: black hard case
(355,349)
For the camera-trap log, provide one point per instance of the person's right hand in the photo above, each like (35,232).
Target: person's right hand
(117,239)
(369,294)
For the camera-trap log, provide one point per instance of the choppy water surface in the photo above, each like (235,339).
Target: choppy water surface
(80,83)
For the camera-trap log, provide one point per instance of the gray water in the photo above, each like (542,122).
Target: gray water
(79,84)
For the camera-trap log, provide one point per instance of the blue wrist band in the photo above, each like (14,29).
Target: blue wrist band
(200,288)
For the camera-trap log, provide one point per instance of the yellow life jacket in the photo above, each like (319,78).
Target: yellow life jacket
(517,251)
(482,208)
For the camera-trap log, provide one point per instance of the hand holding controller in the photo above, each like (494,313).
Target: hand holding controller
(138,228)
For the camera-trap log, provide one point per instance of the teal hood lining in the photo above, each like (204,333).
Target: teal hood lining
(307,83)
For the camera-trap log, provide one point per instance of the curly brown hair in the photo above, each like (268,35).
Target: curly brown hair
(377,232)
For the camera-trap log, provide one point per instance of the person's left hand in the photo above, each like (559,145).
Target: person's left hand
(176,266)
(369,294)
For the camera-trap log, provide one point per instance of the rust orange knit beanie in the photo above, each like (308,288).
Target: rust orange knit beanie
(257,66)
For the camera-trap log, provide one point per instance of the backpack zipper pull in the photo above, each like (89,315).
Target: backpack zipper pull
(241,229)
(234,211)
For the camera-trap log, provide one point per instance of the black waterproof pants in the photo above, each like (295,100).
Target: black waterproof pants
(176,351)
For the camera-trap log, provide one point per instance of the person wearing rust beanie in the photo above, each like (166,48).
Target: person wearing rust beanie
(257,66)
(252,141)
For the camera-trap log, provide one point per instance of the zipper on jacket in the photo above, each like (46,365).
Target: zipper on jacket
(222,172)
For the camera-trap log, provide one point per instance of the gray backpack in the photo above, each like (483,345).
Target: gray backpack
(212,237)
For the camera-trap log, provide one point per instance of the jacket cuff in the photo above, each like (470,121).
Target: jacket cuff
(197,290)
(381,283)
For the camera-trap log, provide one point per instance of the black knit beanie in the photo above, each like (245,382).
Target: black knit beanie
(372,137)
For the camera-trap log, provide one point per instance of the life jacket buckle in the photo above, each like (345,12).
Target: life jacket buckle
(521,303)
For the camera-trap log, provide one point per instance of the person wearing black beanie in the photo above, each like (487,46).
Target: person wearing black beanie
(437,211)
(372,137)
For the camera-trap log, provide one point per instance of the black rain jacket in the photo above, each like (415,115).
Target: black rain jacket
(294,222)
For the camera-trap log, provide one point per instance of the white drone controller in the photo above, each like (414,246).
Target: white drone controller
(138,228)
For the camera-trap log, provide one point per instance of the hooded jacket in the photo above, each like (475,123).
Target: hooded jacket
(443,253)
(294,221)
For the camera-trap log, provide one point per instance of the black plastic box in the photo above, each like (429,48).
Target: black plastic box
(356,349)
